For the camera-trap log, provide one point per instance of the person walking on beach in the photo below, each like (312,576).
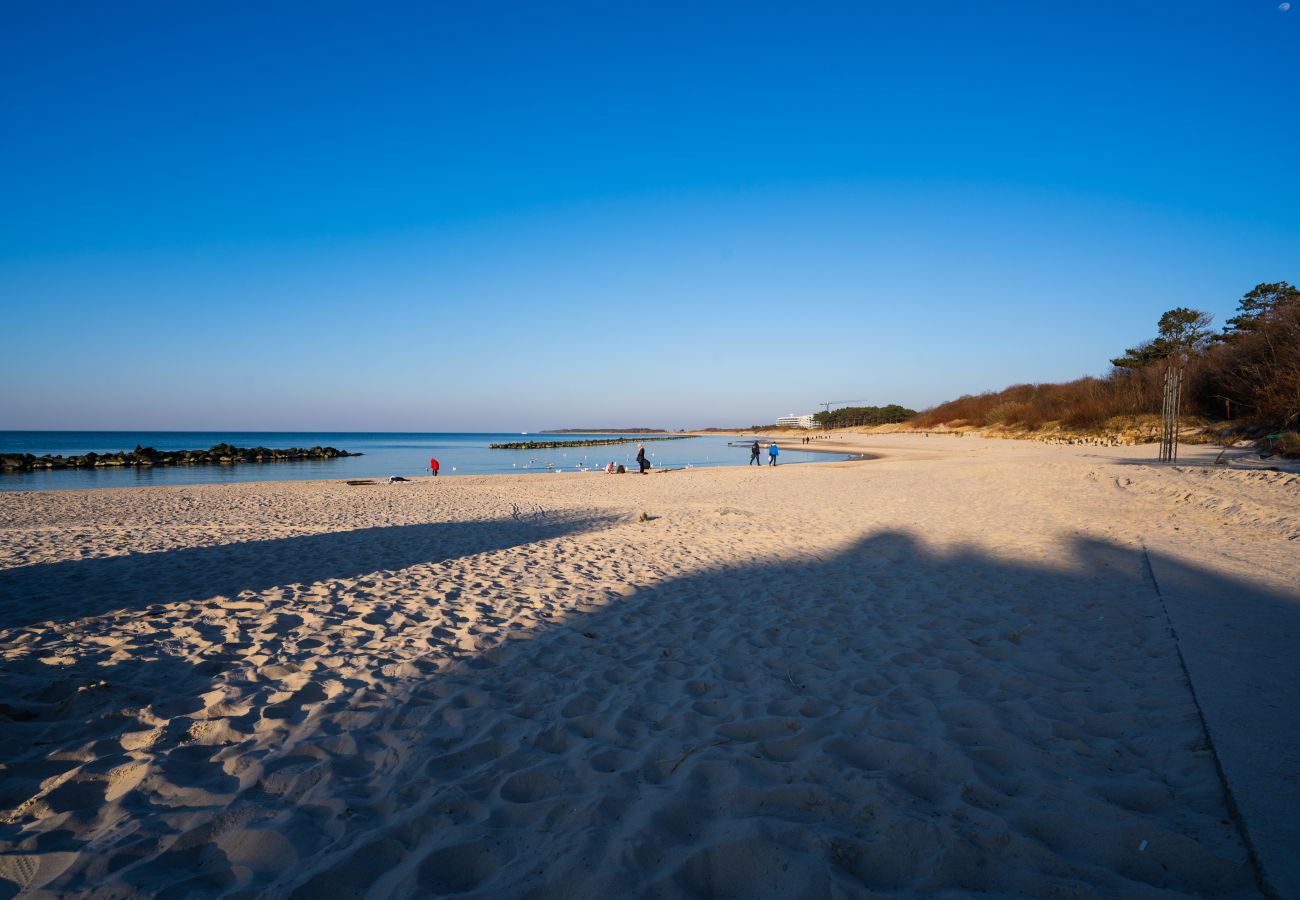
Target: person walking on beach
(771,453)
(433,467)
(753,455)
(640,458)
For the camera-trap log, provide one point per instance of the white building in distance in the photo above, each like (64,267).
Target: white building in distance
(793,421)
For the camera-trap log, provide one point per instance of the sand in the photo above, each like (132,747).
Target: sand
(944,671)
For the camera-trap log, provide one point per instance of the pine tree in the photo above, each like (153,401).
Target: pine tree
(1257,306)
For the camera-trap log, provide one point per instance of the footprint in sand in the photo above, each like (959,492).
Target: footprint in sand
(457,869)
(533,785)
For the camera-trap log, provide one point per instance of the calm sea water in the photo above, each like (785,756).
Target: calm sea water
(384,455)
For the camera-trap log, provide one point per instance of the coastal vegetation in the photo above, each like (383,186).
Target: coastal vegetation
(144,457)
(856,416)
(596,442)
(1243,382)
(848,417)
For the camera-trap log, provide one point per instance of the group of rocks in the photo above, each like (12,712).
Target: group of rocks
(219,454)
(594,442)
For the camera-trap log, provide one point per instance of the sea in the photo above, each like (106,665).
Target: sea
(383,454)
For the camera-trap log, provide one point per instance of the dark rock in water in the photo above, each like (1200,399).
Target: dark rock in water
(594,442)
(142,457)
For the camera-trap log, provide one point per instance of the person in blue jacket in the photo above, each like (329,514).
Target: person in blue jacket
(771,453)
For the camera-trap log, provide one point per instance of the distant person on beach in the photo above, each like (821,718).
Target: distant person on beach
(771,453)
(753,455)
(640,458)
(433,467)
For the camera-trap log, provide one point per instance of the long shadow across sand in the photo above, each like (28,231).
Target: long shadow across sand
(73,589)
(880,720)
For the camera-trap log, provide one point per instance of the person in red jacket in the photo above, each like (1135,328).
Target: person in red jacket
(433,467)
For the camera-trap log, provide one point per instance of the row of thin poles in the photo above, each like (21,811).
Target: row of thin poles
(1169,414)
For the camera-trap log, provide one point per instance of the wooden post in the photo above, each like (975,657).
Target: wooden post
(1170,413)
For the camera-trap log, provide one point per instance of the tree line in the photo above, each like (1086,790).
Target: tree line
(1246,375)
(856,416)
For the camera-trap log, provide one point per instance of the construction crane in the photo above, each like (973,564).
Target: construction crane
(829,403)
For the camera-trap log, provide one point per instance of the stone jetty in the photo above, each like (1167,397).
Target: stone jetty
(141,457)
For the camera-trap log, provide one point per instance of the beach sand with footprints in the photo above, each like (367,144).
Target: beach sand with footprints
(963,666)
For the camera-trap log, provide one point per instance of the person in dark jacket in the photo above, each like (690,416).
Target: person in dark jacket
(640,458)
(753,455)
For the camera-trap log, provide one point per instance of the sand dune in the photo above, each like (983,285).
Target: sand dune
(941,672)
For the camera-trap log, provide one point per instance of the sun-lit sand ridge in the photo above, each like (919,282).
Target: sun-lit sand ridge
(944,670)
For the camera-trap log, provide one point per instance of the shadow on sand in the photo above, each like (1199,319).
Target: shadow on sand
(882,720)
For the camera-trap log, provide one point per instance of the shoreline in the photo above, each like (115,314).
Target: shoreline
(523,477)
(869,444)
(378,480)
(859,447)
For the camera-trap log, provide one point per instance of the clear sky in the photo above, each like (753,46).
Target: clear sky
(478,215)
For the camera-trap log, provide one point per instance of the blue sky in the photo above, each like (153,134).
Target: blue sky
(462,216)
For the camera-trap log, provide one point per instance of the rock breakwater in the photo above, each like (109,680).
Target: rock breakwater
(550,445)
(217,455)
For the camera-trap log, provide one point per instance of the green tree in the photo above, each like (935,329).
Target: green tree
(1182,331)
(850,416)
(1141,356)
(1257,306)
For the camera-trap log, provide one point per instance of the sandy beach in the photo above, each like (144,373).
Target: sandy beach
(955,668)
